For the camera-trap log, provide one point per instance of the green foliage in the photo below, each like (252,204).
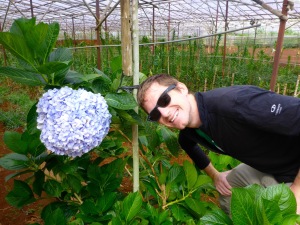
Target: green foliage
(274,205)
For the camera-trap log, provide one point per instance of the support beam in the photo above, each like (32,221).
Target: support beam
(98,36)
(279,44)
(135,134)
(126,44)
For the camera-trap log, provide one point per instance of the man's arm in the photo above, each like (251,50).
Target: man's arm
(219,178)
(295,187)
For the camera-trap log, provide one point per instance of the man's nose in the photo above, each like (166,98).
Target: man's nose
(164,111)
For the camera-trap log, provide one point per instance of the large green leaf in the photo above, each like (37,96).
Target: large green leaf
(57,217)
(216,217)
(74,77)
(22,76)
(180,213)
(170,139)
(20,195)
(17,46)
(53,188)
(61,55)
(22,26)
(14,161)
(38,183)
(190,173)
(52,67)
(124,101)
(14,142)
(32,120)
(106,201)
(131,206)
(41,40)
(196,206)
(242,207)
(176,174)
(278,201)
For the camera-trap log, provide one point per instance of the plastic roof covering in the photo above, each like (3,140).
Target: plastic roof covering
(186,17)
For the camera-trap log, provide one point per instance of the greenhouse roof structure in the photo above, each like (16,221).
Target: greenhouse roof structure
(184,17)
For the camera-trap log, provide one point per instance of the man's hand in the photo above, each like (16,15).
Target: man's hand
(221,183)
(219,178)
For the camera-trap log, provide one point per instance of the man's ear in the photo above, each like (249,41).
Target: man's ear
(182,87)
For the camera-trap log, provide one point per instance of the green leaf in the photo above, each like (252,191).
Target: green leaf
(201,180)
(22,26)
(79,221)
(14,142)
(106,201)
(190,173)
(20,195)
(17,46)
(61,55)
(41,40)
(67,209)
(291,219)
(38,183)
(89,208)
(53,188)
(278,201)
(32,120)
(116,64)
(242,207)
(12,175)
(131,205)
(73,77)
(129,116)
(196,206)
(14,161)
(22,76)
(52,67)
(216,217)
(170,139)
(180,213)
(101,85)
(74,183)
(124,101)
(57,217)
(176,174)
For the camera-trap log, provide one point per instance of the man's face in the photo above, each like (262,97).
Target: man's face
(177,113)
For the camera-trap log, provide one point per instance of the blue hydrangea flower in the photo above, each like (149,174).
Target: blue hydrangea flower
(72,122)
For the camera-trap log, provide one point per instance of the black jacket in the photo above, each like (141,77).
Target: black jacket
(257,127)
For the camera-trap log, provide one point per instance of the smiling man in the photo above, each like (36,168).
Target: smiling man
(258,127)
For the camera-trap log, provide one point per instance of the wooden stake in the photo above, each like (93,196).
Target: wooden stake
(285,88)
(296,93)
(232,80)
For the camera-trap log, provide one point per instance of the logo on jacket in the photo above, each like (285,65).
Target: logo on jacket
(276,109)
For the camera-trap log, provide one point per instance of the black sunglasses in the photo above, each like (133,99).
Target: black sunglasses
(163,101)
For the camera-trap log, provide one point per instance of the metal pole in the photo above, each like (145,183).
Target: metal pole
(135,135)
(73,32)
(279,45)
(31,9)
(153,31)
(98,36)
(225,37)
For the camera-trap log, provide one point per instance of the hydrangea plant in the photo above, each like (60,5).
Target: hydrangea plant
(72,122)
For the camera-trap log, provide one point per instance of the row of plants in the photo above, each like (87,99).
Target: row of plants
(85,190)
